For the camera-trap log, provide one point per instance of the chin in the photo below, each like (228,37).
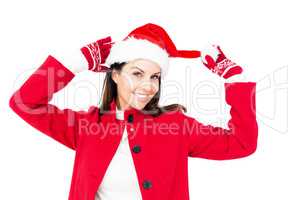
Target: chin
(139,106)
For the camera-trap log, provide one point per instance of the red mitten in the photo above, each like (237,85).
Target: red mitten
(215,60)
(96,54)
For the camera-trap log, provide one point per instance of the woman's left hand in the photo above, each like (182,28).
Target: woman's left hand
(215,60)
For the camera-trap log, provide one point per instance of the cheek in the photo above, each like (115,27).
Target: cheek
(156,87)
(125,88)
(128,83)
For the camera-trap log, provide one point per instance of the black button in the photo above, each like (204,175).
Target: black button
(147,184)
(130,118)
(136,149)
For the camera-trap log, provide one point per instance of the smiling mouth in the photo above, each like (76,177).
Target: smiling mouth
(141,97)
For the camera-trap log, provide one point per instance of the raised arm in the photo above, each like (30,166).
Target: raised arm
(31,100)
(240,140)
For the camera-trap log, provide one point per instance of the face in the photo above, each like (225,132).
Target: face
(137,83)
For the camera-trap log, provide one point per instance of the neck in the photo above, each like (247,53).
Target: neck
(121,106)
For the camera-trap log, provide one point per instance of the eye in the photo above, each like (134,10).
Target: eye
(138,74)
(156,77)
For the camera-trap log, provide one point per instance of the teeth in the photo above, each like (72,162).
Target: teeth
(141,95)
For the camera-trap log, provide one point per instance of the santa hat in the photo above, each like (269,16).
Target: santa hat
(151,42)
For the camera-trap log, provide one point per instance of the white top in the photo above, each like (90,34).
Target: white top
(120,180)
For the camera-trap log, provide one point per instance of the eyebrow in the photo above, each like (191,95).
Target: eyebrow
(143,71)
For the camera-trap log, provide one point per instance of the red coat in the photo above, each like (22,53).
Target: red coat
(160,145)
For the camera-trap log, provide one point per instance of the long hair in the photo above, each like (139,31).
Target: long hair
(110,93)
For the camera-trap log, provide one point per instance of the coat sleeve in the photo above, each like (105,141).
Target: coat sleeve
(30,102)
(239,140)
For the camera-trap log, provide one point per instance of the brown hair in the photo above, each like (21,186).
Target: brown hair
(109,93)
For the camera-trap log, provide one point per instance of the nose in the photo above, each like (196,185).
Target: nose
(148,86)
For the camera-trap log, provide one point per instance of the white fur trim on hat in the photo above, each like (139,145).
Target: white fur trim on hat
(133,48)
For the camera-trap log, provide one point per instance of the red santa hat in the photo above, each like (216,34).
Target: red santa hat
(151,42)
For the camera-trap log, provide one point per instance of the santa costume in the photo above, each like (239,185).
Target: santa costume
(130,156)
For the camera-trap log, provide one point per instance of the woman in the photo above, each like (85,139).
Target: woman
(131,148)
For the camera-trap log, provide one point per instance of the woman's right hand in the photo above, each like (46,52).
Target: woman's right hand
(96,54)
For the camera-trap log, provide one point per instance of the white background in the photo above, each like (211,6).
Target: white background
(262,36)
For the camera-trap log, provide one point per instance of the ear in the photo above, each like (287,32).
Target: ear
(115,76)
